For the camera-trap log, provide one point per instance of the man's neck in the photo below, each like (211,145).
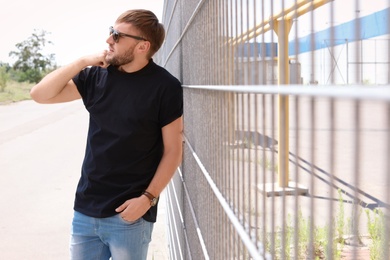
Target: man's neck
(133,66)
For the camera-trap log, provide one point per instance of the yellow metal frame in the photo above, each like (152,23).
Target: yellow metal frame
(281,23)
(299,8)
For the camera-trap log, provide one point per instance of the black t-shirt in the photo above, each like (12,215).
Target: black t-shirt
(124,143)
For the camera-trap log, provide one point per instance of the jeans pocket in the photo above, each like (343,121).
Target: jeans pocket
(128,222)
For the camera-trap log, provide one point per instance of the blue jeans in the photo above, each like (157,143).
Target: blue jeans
(102,238)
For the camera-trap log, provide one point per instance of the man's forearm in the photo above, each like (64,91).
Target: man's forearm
(55,82)
(165,172)
(171,159)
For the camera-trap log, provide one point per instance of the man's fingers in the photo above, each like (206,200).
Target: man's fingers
(121,207)
(103,64)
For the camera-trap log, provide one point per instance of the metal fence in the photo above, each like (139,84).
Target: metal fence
(287,129)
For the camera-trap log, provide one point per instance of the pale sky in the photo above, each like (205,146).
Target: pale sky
(80,27)
(77,27)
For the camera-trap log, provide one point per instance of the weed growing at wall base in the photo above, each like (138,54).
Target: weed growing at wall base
(376,228)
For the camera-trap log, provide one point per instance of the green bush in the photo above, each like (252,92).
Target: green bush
(3,78)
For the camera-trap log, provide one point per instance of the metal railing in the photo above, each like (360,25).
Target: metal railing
(231,204)
(273,170)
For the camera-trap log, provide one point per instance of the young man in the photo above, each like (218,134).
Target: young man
(134,142)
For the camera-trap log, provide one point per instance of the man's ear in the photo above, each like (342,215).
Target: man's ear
(144,46)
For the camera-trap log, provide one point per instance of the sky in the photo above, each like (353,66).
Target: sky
(76,27)
(80,27)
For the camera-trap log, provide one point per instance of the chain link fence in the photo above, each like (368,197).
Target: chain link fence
(287,129)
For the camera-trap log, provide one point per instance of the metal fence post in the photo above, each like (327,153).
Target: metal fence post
(282,29)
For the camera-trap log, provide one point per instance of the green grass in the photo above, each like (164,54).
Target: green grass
(15,91)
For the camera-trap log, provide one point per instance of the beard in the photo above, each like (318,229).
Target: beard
(119,60)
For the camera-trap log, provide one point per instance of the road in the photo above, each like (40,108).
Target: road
(41,151)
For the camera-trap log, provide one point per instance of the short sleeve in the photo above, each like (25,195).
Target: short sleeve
(90,83)
(172,104)
(80,81)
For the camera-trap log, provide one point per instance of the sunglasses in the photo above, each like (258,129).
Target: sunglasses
(116,35)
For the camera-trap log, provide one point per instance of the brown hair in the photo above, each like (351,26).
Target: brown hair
(148,25)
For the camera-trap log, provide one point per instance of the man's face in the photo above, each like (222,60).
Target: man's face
(121,44)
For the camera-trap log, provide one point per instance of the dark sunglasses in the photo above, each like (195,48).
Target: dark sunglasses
(116,35)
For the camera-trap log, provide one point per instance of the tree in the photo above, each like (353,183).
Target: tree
(31,63)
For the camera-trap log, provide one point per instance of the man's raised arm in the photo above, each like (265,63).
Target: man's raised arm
(58,86)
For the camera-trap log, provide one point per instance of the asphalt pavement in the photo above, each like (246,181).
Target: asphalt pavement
(41,151)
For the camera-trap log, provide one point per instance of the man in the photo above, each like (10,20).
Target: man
(134,142)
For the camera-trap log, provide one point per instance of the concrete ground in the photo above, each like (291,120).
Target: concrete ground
(41,151)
